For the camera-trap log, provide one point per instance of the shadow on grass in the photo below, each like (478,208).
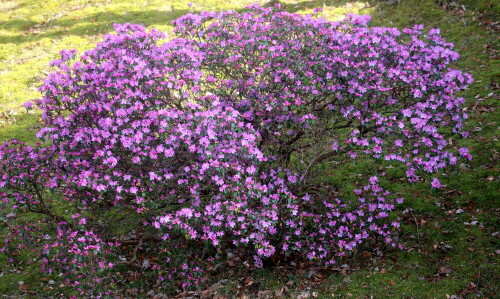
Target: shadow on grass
(311,4)
(102,22)
(17,25)
(90,25)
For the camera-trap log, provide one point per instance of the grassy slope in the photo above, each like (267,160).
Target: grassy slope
(32,32)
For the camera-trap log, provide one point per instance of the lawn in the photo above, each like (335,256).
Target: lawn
(451,235)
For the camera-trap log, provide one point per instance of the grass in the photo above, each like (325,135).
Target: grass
(32,33)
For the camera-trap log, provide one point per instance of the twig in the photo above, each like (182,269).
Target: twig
(418,231)
(135,251)
(477,284)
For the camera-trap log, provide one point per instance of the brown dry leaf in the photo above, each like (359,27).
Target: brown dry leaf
(183,294)
(392,283)
(247,281)
(23,287)
(445,270)
(264,294)
(319,277)
(279,293)
(206,294)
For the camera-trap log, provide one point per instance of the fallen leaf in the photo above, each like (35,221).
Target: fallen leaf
(264,294)
(23,287)
(444,270)
(206,293)
(318,277)
(247,281)
(279,293)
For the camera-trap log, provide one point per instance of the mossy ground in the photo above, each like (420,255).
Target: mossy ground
(443,255)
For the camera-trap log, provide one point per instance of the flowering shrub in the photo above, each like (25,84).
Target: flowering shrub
(372,91)
(211,140)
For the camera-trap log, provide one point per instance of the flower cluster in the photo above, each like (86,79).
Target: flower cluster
(376,91)
(26,172)
(211,140)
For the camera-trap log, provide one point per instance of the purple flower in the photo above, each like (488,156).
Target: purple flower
(28,106)
(435,183)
